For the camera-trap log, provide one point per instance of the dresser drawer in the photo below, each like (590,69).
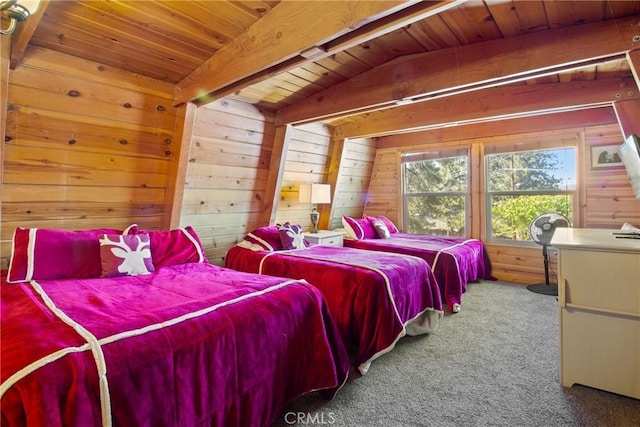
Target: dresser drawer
(324,238)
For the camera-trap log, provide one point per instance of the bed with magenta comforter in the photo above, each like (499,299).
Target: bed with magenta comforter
(455,261)
(188,343)
(375,298)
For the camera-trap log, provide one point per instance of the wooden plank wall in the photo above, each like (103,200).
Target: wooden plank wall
(307,161)
(86,146)
(224,194)
(229,160)
(606,197)
(350,173)
(609,199)
(385,188)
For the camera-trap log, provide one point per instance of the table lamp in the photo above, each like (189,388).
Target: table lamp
(315,194)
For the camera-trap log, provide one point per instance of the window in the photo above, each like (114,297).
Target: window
(436,192)
(524,184)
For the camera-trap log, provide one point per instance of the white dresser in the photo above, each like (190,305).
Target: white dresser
(599,300)
(325,237)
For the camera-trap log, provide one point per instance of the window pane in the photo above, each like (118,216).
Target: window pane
(435,192)
(438,215)
(532,170)
(446,175)
(511,215)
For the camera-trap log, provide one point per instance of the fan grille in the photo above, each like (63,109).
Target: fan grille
(541,229)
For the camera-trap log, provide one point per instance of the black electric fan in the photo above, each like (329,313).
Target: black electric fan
(541,230)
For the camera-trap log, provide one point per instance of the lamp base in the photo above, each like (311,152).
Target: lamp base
(315,217)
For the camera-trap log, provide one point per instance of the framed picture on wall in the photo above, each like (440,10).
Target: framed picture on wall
(605,156)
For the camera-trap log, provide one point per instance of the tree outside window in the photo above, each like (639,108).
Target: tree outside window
(522,185)
(435,194)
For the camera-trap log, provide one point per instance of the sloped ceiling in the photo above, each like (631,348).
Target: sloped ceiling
(357,65)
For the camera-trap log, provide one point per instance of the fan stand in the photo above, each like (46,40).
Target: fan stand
(544,288)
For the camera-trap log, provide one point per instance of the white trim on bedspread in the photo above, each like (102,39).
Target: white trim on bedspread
(364,366)
(445,250)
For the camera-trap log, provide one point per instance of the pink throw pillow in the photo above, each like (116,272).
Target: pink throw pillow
(390,225)
(173,247)
(358,229)
(128,255)
(268,238)
(48,254)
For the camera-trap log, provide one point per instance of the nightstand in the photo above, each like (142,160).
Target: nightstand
(325,237)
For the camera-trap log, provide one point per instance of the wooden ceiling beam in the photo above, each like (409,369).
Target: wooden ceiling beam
(633,58)
(294,33)
(468,67)
(475,131)
(491,104)
(23,33)
(628,111)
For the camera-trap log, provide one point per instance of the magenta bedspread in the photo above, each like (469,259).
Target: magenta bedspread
(455,261)
(192,344)
(375,298)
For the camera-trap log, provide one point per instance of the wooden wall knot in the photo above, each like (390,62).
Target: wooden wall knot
(73,93)
(123,142)
(160,108)
(127,105)
(71,141)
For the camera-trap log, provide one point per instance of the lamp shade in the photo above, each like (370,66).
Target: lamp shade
(315,193)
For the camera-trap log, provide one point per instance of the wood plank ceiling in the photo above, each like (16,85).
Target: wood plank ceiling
(188,42)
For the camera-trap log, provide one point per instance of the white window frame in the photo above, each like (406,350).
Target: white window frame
(548,143)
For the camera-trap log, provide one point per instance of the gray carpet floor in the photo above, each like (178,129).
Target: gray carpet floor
(493,364)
